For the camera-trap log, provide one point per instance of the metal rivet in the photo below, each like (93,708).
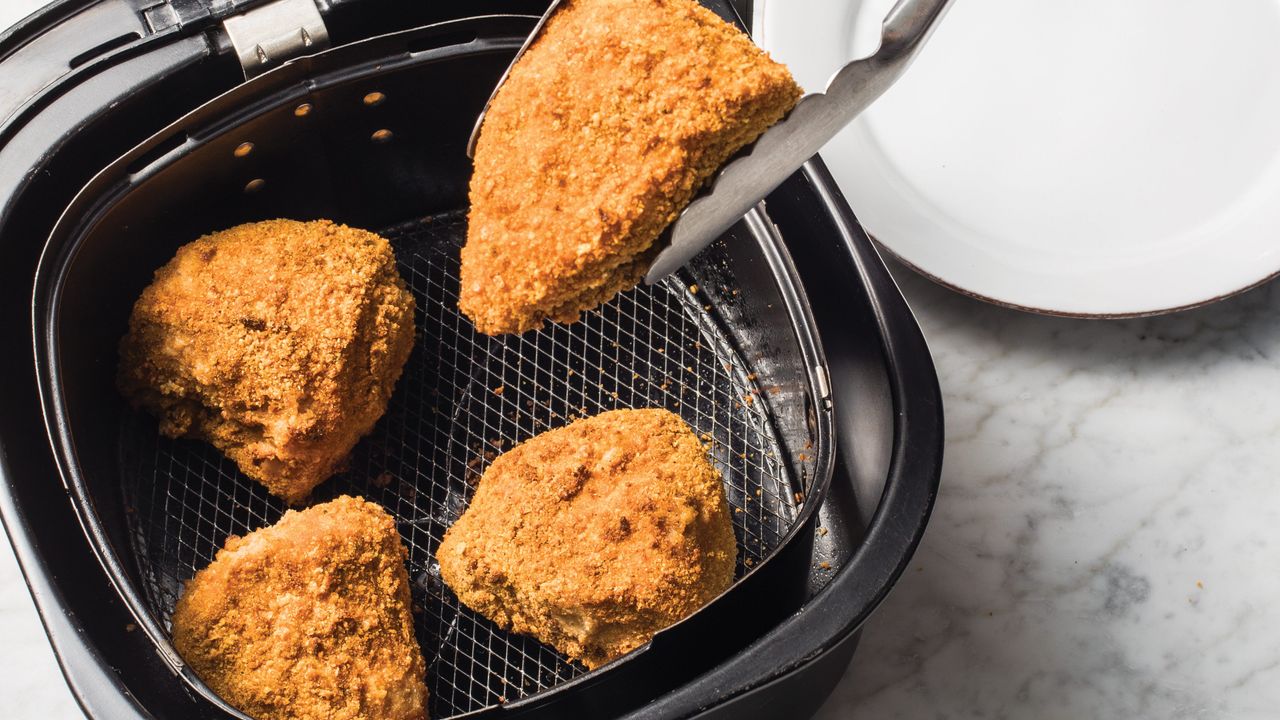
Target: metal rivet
(374,98)
(302,110)
(254,185)
(381,136)
(243,149)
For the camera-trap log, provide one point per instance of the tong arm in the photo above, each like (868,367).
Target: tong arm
(783,148)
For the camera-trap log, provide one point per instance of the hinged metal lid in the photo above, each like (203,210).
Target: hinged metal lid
(273,33)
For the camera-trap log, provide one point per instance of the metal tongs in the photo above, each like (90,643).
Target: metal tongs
(744,181)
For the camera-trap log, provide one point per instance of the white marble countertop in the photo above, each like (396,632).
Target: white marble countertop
(1105,543)
(1107,531)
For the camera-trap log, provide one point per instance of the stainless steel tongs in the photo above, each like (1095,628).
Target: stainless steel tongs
(743,182)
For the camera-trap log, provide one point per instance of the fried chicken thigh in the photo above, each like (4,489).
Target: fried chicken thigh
(594,536)
(602,133)
(280,342)
(308,619)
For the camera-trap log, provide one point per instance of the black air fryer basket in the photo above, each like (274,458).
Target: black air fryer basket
(785,345)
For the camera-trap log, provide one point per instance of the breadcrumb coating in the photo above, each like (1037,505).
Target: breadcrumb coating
(308,619)
(280,342)
(603,132)
(594,536)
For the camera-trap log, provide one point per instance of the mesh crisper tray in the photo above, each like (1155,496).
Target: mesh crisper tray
(463,398)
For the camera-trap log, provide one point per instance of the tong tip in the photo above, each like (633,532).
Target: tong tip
(533,35)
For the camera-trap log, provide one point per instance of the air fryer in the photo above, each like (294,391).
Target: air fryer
(786,344)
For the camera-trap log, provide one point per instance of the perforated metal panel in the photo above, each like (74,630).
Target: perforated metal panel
(463,398)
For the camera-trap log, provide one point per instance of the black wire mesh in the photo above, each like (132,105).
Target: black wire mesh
(464,398)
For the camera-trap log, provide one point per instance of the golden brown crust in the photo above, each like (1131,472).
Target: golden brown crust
(279,342)
(308,619)
(601,135)
(594,536)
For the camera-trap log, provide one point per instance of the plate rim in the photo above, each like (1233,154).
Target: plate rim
(1065,314)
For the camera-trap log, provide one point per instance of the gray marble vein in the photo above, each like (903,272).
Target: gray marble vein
(1106,536)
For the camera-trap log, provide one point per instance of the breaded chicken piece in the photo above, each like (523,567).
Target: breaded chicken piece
(594,536)
(308,619)
(604,131)
(279,342)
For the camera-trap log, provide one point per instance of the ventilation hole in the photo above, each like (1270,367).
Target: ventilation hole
(114,43)
(436,41)
(302,110)
(374,98)
(381,136)
(164,148)
(254,185)
(243,149)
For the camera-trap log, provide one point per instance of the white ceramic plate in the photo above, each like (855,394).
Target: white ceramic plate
(1076,157)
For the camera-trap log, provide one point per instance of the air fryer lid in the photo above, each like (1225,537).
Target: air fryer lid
(372,134)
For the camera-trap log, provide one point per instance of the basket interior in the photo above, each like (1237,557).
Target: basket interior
(464,397)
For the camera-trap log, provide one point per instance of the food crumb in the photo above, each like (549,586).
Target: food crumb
(498,390)
(383,480)
(824,565)
(1200,584)
(693,288)
(822,532)
(130,627)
